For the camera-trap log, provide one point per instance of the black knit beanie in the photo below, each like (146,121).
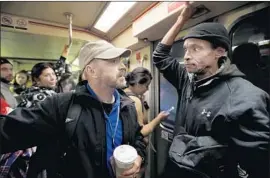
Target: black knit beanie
(4,61)
(213,32)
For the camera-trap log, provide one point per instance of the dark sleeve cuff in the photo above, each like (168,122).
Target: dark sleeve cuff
(163,48)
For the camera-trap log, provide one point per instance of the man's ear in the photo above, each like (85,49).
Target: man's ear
(90,71)
(87,69)
(220,52)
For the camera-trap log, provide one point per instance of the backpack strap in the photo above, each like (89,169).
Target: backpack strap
(53,156)
(71,121)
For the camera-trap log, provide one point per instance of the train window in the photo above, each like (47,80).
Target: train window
(250,29)
(168,94)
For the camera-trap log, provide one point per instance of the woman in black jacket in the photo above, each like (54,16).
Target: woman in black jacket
(44,82)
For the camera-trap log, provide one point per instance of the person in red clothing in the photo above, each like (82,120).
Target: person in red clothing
(4,107)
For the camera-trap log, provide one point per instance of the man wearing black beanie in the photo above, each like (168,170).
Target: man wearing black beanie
(222,120)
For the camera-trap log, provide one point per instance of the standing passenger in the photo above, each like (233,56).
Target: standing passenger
(215,102)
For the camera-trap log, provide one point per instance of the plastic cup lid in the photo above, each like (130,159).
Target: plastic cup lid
(125,154)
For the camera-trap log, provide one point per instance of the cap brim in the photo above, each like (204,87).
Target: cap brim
(114,53)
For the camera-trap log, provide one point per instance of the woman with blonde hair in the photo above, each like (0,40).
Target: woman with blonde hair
(21,82)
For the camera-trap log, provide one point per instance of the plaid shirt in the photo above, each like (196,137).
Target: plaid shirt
(8,166)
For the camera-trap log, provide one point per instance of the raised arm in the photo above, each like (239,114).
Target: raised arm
(170,36)
(27,127)
(169,66)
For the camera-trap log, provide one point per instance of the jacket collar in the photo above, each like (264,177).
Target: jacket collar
(82,91)
(6,85)
(226,70)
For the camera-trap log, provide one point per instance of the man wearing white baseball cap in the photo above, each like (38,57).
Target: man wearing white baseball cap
(107,118)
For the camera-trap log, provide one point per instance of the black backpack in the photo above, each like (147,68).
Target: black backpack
(49,159)
(201,157)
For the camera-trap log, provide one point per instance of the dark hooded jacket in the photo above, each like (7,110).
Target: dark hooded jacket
(19,160)
(224,106)
(44,123)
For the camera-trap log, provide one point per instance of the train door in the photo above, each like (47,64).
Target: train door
(165,98)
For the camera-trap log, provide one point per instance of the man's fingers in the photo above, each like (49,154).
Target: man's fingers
(132,171)
(187,3)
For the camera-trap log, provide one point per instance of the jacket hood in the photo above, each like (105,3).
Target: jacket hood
(229,70)
(226,70)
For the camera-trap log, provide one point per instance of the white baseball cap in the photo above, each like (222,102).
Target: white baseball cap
(100,50)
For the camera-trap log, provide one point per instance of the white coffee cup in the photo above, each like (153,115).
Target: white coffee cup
(124,157)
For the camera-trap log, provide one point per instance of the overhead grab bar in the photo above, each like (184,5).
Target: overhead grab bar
(69,17)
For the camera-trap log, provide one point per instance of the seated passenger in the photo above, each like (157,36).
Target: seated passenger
(247,58)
